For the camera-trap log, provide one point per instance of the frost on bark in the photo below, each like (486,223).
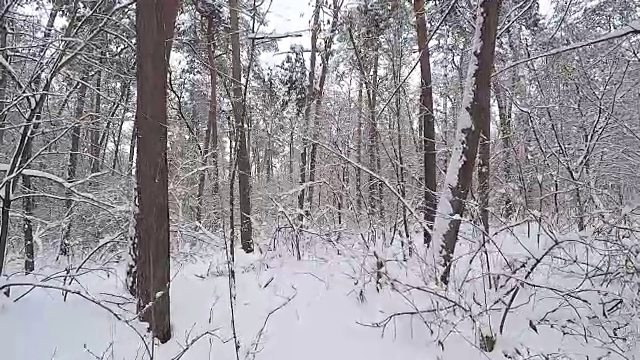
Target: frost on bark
(474,116)
(154,23)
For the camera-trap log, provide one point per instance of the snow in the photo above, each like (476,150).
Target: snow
(444,210)
(60,181)
(322,312)
(323,307)
(631,28)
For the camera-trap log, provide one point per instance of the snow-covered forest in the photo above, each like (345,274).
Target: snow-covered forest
(319,179)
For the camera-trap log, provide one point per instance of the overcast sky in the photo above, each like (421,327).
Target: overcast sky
(286,16)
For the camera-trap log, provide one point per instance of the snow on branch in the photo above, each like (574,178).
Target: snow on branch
(60,181)
(263,36)
(632,28)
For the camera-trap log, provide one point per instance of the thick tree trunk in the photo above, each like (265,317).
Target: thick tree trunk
(474,117)
(244,164)
(426,120)
(154,23)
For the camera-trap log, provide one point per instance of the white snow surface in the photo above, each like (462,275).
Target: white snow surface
(330,297)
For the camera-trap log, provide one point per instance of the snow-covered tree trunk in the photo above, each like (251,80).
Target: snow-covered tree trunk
(474,115)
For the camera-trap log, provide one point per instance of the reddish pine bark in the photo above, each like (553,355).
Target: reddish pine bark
(154,22)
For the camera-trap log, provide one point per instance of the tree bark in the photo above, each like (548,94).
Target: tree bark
(304,155)
(118,140)
(73,164)
(211,134)
(426,120)
(326,56)
(359,146)
(244,164)
(94,147)
(375,201)
(32,122)
(3,73)
(504,114)
(28,203)
(474,117)
(155,25)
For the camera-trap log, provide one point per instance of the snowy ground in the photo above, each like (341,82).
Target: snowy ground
(317,308)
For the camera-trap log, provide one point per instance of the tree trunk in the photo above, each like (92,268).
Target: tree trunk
(155,25)
(359,147)
(374,160)
(504,114)
(94,147)
(28,204)
(32,122)
(426,120)
(244,164)
(3,73)
(211,135)
(118,140)
(397,79)
(326,56)
(474,116)
(307,111)
(73,165)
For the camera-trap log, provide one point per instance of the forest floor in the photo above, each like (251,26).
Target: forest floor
(326,306)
